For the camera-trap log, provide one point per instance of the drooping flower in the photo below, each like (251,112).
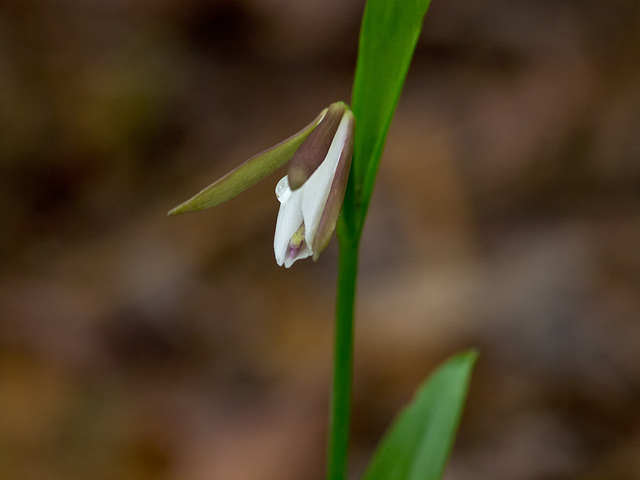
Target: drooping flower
(312,192)
(308,214)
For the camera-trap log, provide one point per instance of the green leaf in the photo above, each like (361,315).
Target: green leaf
(389,33)
(247,174)
(418,444)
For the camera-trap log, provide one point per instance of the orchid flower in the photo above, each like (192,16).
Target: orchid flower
(311,193)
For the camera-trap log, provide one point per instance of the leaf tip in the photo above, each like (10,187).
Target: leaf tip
(470,355)
(184,207)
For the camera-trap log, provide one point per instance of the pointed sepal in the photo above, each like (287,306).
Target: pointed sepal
(249,173)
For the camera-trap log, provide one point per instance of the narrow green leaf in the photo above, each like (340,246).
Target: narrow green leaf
(418,444)
(389,33)
(247,174)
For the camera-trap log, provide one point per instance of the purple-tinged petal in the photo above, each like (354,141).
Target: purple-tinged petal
(331,212)
(314,149)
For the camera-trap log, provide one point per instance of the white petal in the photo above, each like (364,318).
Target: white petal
(316,188)
(289,220)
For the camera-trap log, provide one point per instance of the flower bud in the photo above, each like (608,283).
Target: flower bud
(312,192)
(308,214)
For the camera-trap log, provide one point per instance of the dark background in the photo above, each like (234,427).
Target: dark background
(506,217)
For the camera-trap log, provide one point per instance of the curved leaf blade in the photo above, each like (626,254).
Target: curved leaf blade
(418,444)
(388,37)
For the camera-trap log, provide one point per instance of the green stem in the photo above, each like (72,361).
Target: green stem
(343,359)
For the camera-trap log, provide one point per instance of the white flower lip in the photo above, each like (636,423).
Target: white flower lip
(308,215)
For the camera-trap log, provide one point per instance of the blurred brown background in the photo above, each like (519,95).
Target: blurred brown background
(506,217)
